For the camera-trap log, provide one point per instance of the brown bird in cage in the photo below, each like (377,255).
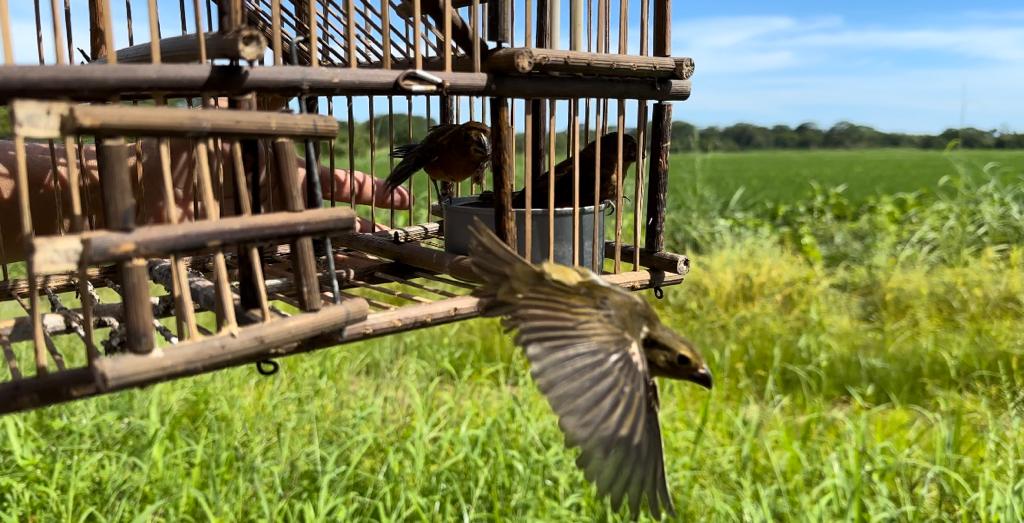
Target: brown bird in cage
(587,155)
(449,153)
(594,351)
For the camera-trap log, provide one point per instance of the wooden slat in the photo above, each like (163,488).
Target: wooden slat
(102,81)
(59,254)
(245,44)
(249,344)
(531,60)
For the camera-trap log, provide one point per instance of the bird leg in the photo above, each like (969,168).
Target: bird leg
(441,198)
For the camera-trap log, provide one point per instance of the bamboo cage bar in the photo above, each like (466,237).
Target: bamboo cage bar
(92,83)
(411,254)
(246,44)
(105,120)
(250,344)
(225,310)
(120,211)
(531,60)
(60,254)
(502,163)
(654,260)
(303,256)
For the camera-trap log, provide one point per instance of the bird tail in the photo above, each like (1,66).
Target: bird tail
(403,150)
(492,260)
(404,170)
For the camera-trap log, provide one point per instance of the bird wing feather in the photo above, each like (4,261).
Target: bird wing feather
(584,347)
(417,156)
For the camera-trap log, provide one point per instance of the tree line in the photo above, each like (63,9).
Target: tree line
(687,137)
(843,135)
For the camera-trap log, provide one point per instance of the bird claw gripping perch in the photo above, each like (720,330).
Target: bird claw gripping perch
(420,81)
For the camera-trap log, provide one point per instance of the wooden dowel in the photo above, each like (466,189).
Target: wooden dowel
(58,32)
(447,28)
(93,83)
(105,120)
(530,60)
(98,13)
(185,315)
(661,261)
(410,254)
(245,44)
(662,27)
(528,176)
(620,175)
(249,344)
(350,34)
(201,41)
(275,25)
(5,33)
(28,232)
(595,262)
(657,196)
(303,257)
(59,254)
(499,21)
(155,49)
(638,185)
(250,271)
(225,310)
(501,171)
(574,144)
(119,213)
(551,180)
(314,36)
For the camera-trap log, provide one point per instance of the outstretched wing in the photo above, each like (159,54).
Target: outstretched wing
(582,338)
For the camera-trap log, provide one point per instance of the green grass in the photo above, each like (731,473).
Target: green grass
(786,176)
(878,380)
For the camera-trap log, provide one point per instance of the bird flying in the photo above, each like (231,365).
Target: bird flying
(449,153)
(594,351)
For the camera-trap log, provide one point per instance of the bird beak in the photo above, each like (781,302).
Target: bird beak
(702,377)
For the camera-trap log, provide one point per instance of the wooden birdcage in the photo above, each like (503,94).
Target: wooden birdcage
(111,282)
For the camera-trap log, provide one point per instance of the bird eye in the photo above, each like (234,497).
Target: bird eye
(682,360)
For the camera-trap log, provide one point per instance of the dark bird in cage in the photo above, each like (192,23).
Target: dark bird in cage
(563,174)
(449,153)
(594,351)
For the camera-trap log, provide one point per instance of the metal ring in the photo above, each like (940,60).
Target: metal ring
(659,293)
(267,367)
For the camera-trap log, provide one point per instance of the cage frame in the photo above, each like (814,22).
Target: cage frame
(247,264)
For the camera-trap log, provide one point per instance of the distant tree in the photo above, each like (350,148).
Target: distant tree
(809,136)
(846,135)
(712,139)
(685,137)
(784,137)
(746,136)
(971,138)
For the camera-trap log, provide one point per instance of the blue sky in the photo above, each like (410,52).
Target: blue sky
(899,65)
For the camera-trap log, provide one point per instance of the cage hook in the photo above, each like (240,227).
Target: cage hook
(420,81)
(267,367)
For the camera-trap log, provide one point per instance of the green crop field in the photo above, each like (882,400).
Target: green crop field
(865,343)
(786,176)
